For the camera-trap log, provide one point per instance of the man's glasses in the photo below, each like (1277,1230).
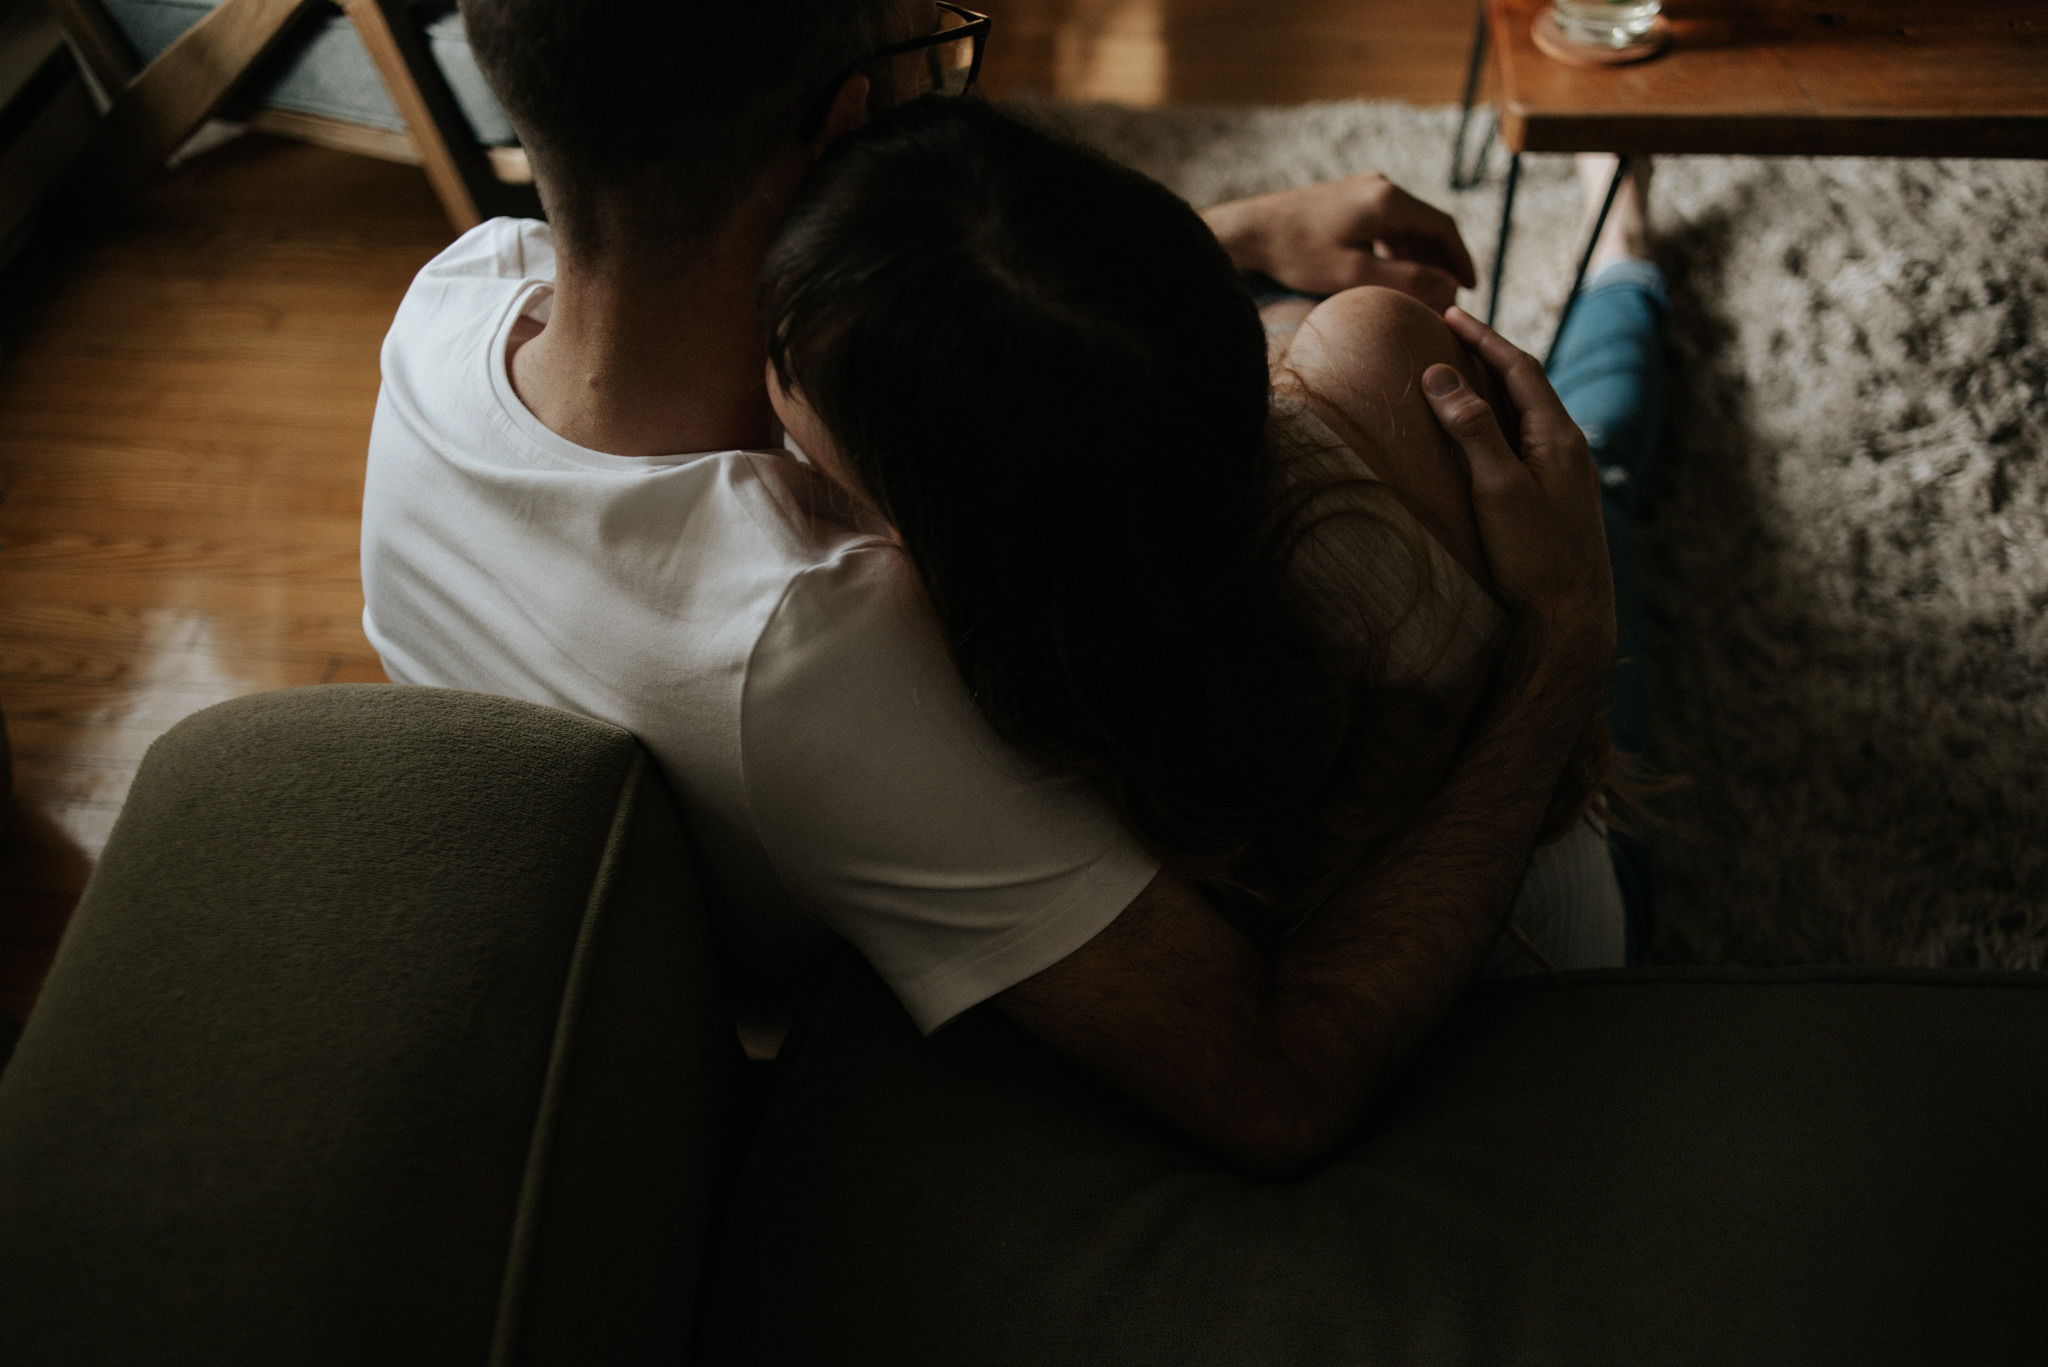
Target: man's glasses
(952,54)
(946,62)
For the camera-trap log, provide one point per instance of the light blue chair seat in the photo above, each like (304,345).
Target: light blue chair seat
(322,68)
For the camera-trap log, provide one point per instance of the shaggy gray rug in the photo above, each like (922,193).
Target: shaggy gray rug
(1844,552)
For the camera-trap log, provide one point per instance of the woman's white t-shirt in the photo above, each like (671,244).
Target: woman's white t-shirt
(771,652)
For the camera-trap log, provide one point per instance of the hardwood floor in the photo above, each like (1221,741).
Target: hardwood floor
(184,401)
(185,397)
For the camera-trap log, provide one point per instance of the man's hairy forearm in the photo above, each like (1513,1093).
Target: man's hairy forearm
(1271,1060)
(1354,992)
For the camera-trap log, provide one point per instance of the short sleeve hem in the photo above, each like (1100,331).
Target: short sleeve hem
(936,997)
(895,815)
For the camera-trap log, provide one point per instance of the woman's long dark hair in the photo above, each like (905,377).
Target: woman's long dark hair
(1051,380)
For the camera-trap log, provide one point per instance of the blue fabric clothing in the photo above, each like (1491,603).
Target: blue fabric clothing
(1608,368)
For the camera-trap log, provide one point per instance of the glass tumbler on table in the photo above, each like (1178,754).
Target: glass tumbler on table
(1606,23)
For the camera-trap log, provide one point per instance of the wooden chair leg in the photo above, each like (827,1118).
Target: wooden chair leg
(177,92)
(457,167)
(106,50)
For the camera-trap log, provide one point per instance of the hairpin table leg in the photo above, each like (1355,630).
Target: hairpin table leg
(1463,178)
(1585,257)
(1500,246)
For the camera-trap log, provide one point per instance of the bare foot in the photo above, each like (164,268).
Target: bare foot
(1626,235)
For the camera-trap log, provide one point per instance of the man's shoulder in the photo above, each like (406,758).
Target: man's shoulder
(506,249)
(467,286)
(439,389)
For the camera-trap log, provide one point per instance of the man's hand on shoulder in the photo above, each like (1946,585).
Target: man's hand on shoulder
(1538,508)
(1361,230)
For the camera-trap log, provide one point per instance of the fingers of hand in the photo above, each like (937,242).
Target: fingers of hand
(1330,231)
(1419,231)
(1544,421)
(1499,352)
(1427,251)
(1539,526)
(1469,421)
(1520,373)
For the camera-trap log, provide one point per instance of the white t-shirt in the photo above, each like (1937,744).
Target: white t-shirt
(773,655)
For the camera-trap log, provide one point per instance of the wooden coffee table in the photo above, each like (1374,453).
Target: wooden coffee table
(1890,78)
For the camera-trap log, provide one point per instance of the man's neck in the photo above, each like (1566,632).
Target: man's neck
(653,352)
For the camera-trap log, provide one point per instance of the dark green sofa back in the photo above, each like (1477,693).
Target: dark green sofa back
(386,1033)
